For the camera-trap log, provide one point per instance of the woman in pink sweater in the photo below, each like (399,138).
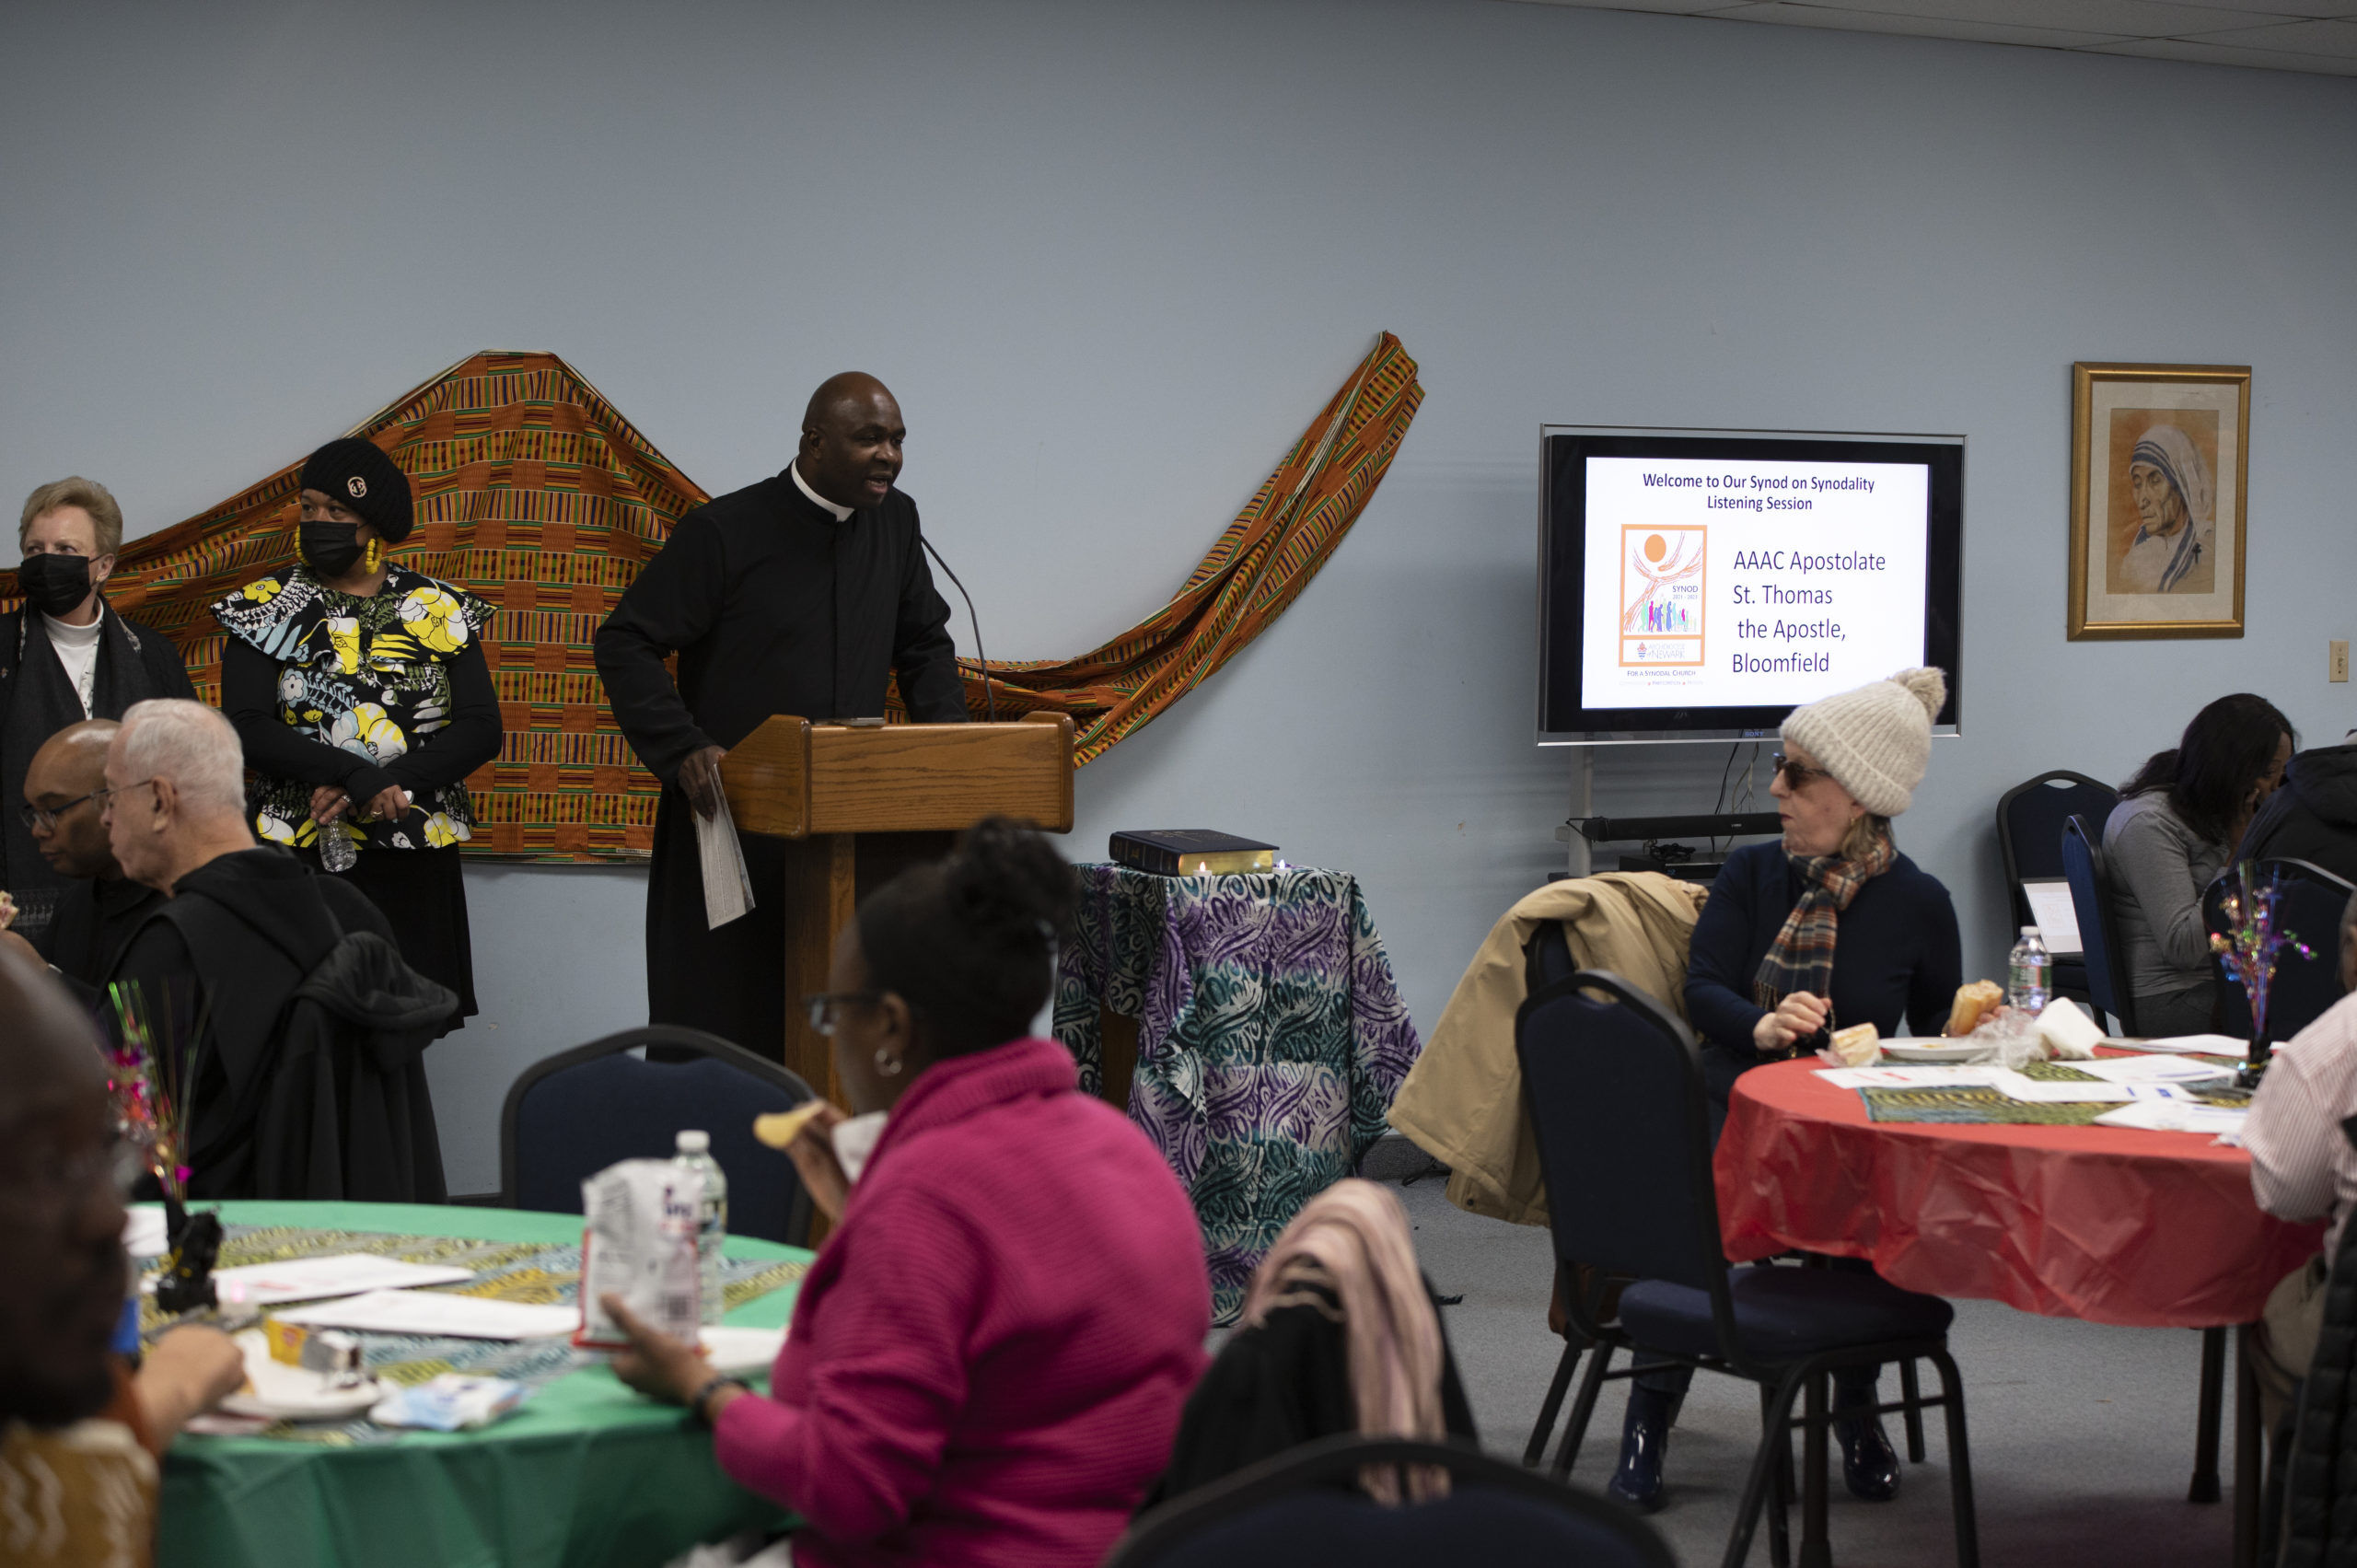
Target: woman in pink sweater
(988,1359)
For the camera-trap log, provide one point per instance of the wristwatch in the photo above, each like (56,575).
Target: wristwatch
(699,1402)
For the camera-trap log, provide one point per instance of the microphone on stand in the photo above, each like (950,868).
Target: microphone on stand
(990,696)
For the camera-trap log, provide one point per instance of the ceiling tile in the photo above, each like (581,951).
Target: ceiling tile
(2205,52)
(1913,27)
(1674,8)
(2130,18)
(2289,7)
(2336,38)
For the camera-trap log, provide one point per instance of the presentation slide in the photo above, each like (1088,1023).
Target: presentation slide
(1742,583)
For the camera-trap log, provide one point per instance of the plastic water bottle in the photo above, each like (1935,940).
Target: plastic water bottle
(2028,972)
(712,1220)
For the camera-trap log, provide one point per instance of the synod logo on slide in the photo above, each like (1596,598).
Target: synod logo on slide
(1661,595)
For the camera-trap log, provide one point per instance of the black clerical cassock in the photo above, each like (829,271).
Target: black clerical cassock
(776,602)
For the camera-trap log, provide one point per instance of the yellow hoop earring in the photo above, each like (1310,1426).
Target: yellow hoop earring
(373,554)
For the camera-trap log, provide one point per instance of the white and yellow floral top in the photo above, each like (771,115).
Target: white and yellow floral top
(369,676)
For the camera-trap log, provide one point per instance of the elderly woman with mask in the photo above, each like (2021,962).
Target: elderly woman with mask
(361,695)
(67,655)
(2175,550)
(1830,928)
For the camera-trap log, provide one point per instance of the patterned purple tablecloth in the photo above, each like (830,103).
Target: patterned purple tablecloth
(1270,1038)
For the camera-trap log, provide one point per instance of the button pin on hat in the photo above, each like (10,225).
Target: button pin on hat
(356,486)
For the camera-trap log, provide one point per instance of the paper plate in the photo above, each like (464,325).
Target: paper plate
(1952,1051)
(276,1391)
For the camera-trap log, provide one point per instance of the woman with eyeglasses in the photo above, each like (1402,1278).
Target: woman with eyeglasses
(360,692)
(66,656)
(988,1360)
(2180,823)
(1827,929)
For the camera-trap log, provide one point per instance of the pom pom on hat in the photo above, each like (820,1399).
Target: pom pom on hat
(357,475)
(1875,740)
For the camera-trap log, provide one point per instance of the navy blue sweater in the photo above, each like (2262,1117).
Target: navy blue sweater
(1898,953)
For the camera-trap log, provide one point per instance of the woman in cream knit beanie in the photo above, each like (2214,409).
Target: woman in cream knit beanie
(1876,739)
(1830,929)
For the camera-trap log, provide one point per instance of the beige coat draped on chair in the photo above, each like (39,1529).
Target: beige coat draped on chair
(1462,1101)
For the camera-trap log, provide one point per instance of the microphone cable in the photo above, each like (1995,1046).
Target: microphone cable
(989,696)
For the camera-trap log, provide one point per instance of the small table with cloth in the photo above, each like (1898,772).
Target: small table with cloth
(1270,1038)
(585,1472)
(2064,1221)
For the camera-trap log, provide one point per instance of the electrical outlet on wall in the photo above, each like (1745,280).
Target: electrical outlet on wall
(2337,659)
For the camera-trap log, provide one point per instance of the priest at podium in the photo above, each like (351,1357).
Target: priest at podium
(799,594)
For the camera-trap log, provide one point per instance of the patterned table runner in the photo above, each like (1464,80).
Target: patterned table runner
(1979,1104)
(539,1273)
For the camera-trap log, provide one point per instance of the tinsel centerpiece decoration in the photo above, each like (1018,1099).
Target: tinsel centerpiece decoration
(2249,946)
(150,1068)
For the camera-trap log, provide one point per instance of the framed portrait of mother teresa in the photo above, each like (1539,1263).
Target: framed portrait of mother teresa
(2159,465)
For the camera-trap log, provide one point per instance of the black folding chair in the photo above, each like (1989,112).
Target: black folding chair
(2092,898)
(2311,906)
(577,1112)
(1615,1093)
(2030,840)
(1302,1507)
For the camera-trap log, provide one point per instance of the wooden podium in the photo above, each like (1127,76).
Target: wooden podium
(859,803)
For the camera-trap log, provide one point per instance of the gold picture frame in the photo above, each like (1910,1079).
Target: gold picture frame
(2160,470)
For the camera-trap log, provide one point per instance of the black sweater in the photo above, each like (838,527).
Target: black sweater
(2314,816)
(1897,954)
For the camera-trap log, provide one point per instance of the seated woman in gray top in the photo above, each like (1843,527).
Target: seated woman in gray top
(2175,829)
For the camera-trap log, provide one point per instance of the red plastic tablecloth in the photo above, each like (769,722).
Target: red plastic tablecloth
(2105,1224)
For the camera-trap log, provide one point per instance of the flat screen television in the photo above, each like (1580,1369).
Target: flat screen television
(1699,585)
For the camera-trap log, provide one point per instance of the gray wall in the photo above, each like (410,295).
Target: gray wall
(1113,256)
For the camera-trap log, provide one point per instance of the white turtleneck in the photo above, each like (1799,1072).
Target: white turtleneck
(77,650)
(804,485)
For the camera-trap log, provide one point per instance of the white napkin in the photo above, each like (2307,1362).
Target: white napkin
(2068,1031)
(855,1138)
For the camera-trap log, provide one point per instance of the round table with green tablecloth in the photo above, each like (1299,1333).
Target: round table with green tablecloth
(587,1473)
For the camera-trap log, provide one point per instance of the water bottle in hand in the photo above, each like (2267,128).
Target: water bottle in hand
(711,1224)
(2027,973)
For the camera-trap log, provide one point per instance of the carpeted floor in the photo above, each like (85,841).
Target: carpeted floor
(2082,1434)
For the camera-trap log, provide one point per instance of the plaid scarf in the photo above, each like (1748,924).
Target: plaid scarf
(1801,959)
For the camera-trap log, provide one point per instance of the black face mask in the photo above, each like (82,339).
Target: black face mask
(330,548)
(54,583)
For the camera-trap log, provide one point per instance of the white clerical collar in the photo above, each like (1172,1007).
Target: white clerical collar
(804,485)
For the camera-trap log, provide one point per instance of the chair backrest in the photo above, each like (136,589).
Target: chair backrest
(2029,827)
(2310,908)
(1299,1508)
(1547,957)
(1614,1091)
(2090,878)
(577,1112)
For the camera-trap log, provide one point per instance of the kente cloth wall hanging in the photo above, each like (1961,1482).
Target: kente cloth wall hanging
(534,494)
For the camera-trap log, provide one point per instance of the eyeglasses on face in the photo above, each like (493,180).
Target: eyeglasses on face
(1796,774)
(822,1006)
(43,819)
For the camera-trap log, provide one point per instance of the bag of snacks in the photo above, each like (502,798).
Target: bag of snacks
(638,1241)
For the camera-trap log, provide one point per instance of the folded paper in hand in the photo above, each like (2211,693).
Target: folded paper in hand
(727,887)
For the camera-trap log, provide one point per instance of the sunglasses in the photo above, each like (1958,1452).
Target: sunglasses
(1796,774)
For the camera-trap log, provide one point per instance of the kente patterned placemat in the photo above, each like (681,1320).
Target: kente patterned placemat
(1966,1103)
(541,1274)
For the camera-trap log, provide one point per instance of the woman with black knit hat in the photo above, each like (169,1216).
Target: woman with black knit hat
(361,695)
